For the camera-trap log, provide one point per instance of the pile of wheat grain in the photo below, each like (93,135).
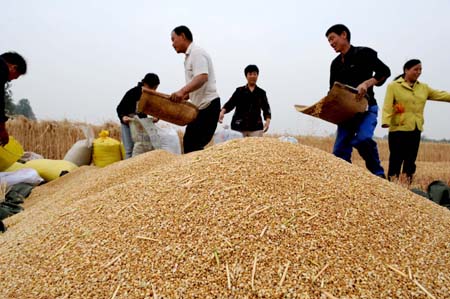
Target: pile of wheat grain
(254,217)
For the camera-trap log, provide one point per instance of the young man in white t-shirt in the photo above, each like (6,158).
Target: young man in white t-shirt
(200,89)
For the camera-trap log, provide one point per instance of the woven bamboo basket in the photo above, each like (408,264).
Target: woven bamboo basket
(339,105)
(158,105)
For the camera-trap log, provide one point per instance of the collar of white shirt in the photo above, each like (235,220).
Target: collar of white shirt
(189,49)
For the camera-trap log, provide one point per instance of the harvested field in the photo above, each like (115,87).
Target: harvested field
(41,136)
(249,218)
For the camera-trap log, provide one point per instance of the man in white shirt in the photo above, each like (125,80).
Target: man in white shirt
(200,89)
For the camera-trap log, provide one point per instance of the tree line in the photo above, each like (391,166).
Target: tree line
(22,107)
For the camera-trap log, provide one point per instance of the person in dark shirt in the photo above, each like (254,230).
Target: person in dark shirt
(249,100)
(12,66)
(358,67)
(126,109)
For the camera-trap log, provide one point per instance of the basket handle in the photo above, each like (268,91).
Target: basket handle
(349,88)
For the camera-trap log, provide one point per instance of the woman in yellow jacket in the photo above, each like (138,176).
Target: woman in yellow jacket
(403,115)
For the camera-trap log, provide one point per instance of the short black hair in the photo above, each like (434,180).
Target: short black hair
(251,68)
(151,80)
(183,29)
(338,29)
(17,60)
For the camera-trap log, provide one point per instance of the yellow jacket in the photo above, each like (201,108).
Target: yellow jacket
(403,105)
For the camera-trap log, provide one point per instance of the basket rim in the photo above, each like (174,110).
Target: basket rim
(167,97)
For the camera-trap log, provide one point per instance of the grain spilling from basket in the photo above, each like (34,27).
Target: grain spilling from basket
(339,105)
(253,217)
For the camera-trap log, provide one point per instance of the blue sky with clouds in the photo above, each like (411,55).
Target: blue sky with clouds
(84,55)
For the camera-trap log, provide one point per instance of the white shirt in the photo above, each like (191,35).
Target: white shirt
(197,62)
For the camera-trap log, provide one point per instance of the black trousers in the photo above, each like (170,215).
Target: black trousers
(200,132)
(403,148)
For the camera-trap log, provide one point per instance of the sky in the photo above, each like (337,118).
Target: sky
(84,55)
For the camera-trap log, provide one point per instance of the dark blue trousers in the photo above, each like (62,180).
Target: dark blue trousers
(358,133)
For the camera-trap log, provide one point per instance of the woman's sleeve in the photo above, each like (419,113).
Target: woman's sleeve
(438,95)
(266,107)
(231,103)
(388,106)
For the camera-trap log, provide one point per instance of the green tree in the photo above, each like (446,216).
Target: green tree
(24,108)
(9,104)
